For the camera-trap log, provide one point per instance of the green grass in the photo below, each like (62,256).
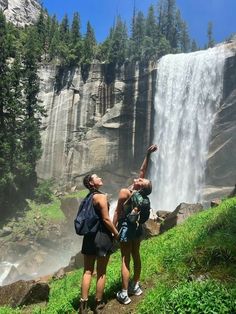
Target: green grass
(49,211)
(208,296)
(79,194)
(9,310)
(203,247)
(189,267)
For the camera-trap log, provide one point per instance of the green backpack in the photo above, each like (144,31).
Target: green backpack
(144,206)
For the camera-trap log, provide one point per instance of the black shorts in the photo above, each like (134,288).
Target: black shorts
(99,244)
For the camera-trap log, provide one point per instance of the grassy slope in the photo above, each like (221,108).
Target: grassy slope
(192,269)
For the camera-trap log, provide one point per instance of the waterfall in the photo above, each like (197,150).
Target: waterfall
(188,93)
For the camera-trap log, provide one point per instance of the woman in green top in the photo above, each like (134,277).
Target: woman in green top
(130,240)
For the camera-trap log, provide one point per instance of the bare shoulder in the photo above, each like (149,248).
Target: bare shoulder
(124,193)
(99,197)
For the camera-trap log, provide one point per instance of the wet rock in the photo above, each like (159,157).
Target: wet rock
(11,276)
(70,206)
(74,188)
(59,274)
(24,293)
(5,231)
(151,228)
(185,210)
(215,202)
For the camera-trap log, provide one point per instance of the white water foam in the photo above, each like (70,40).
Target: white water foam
(188,93)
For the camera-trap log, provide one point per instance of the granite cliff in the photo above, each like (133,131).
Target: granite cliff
(98,119)
(221,165)
(101,119)
(21,12)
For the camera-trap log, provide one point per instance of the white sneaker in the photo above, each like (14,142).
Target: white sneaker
(132,290)
(124,299)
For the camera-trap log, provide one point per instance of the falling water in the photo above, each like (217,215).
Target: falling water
(188,94)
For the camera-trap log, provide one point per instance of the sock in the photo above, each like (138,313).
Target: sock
(124,292)
(136,286)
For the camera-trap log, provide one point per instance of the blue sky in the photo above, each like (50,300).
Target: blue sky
(197,14)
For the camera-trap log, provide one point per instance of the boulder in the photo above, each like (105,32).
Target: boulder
(185,210)
(165,220)
(70,206)
(5,231)
(151,228)
(215,202)
(24,293)
(59,274)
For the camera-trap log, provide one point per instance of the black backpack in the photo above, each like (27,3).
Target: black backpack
(144,206)
(87,220)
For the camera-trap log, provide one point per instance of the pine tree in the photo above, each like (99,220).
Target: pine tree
(15,115)
(211,41)
(33,111)
(137,36)
(41,31)
(89,45)
(194,46)
(5,175)
(54,39)
(102,53)
(75,29)
(161,17)
(151,26)
(176,39)
(163,47)
(151,36)
(63,46)
(118,44)
(184,38)
(170,22)
(64,30)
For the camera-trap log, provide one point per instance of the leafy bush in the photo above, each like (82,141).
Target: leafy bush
(43,192)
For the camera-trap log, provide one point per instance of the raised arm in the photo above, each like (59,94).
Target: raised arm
(144,166)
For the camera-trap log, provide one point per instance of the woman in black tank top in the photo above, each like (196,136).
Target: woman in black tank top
(97,247)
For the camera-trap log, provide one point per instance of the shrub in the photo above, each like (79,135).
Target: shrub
(43,192)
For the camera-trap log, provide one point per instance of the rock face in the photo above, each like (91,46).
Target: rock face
(20,12)
(221,166)
(98,119)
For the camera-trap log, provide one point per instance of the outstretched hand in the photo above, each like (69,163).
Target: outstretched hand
(152,148)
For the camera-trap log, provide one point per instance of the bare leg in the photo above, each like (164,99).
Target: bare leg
(101,276)
(136,259)
(89,261)
(125,248)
